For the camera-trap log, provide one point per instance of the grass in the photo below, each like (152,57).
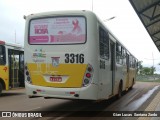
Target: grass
(148,78)
(158,80)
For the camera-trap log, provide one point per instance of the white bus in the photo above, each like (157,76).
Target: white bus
(72,55)
(11,66)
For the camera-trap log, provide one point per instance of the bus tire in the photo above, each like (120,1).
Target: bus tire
(1,88)
(132,84)
(119,95)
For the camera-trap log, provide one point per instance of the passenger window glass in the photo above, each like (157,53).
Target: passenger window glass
(2,55)
(104,44)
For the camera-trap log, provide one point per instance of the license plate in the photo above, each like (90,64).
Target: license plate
(56,79)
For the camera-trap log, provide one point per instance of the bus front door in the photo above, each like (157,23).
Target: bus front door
(16,66)
(112,49)
(127,77)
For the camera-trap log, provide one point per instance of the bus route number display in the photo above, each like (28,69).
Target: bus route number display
(74,58)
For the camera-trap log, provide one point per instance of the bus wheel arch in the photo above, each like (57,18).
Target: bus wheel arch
(2,85)
(132,84)
(120,89)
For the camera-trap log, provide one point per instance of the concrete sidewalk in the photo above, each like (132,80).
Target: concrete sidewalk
(153,106)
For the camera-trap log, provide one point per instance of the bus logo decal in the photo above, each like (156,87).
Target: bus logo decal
(39,55)
(55,61)
(5,69)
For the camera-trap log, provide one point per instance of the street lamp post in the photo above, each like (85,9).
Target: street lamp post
(109,19)
(92,5)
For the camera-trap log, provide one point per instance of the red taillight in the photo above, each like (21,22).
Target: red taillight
(89,69)
(88,75)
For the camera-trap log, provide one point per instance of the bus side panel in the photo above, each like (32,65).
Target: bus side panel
(89,93)
(118,77)
(105,80)
(132,75)
(126,80)
(4,75)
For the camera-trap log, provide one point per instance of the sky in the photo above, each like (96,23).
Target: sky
(126,25)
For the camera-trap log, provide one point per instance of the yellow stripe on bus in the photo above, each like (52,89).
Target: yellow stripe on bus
(4,75)
(74,73)
(129,78)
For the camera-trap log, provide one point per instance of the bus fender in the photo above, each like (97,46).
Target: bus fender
(2,85)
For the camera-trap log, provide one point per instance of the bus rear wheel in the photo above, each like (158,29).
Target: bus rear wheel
(132,84)
(119,95)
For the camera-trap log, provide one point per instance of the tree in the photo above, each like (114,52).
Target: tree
(153,69)
(148,70)
(145,70)
(140,67)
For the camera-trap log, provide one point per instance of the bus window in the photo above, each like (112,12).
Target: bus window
(21,69)
(124,56)
(133,62)
(118,54)
(58,30)
(21,61)
(130,61)
(104,44)
(2,55)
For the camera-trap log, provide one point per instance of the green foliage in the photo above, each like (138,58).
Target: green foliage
(140,67)
(148,70)
(145,70)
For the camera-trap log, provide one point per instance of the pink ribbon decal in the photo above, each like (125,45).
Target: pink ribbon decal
(76,27)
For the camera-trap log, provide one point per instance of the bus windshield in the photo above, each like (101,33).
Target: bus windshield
(57,30)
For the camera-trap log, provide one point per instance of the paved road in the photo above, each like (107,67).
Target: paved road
(135,100)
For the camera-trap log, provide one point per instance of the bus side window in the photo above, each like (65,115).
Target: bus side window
(118,54)
(2,55)
(104,44)
(133,60)
(130,61)
(124,56)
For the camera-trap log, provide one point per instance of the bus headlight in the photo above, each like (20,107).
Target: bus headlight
(88,76)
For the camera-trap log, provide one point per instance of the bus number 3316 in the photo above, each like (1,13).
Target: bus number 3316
(74,58)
